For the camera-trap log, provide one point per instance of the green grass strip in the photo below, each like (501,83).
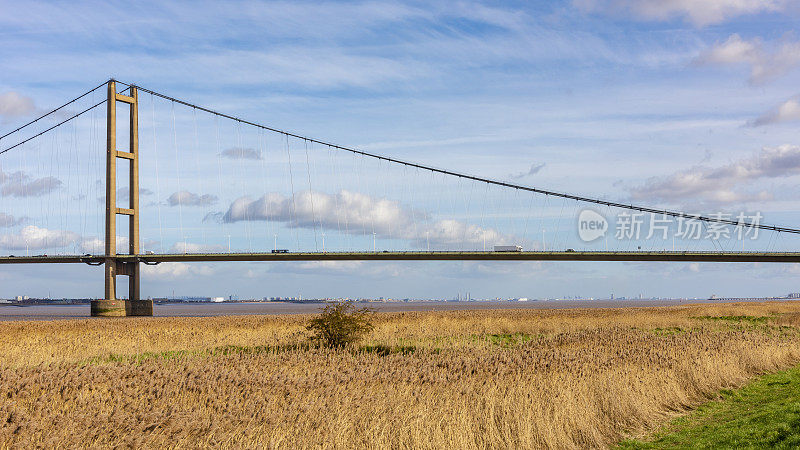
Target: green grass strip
(763,414)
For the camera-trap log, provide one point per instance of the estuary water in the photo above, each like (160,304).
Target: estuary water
(56,312)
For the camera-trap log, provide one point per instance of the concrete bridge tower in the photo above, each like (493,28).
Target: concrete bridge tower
(110,305)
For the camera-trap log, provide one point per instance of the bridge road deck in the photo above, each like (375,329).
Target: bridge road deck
(666,256)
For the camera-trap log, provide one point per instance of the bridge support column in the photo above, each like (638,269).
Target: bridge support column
(110,305)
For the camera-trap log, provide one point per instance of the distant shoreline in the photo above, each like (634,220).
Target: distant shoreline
(207,309)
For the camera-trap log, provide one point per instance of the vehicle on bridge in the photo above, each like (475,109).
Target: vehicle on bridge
(508,248)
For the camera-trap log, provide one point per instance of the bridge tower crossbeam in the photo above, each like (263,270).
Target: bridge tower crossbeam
(110,305)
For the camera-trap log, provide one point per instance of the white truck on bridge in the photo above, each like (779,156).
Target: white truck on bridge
(508,248)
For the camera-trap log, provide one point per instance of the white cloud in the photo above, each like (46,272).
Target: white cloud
(308,209)
(788,111)
(97,246)
(449,232)
(189,247)
(241,153)
(765,63)
(718,185)
(355,213)
(176,270)
(32,237)
(13,105)
(732,51)
(699,12)
(186,198)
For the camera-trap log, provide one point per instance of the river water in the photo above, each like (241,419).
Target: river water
(55,312)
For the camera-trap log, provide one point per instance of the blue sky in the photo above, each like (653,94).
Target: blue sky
(681,104)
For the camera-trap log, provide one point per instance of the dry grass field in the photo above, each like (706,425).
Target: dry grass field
(470,379)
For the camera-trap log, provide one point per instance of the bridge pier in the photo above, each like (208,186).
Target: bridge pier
(110,305)
(121,308)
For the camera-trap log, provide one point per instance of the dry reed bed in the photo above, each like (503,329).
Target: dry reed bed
(37,342)
(583,379)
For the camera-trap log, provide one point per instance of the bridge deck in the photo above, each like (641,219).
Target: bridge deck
(780,257)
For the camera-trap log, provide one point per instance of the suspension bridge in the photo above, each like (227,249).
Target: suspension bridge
(124,177)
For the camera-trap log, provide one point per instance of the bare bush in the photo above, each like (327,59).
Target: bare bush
(340,324)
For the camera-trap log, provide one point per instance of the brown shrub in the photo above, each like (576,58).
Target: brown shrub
(340,324)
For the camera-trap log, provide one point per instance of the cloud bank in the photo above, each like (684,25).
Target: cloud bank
(765,63)
(14,105)
(719,185)
(354,213)
(189,247)
(97,246)
(176,270)
(788,111)
(186,198)
(19,184)
(32,237)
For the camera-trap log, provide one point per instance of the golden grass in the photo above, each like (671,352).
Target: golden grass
(469,379)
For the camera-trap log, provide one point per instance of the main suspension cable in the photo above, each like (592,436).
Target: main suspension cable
(55,110)
(75,116)
(643,209)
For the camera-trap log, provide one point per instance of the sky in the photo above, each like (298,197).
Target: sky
(673,104)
